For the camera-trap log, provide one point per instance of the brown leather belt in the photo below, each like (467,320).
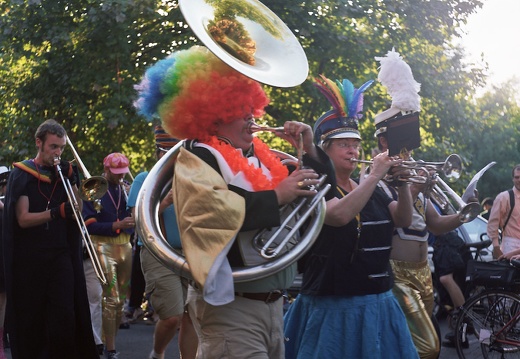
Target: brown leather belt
(269,297)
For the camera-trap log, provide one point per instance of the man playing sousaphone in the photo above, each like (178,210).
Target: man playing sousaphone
(413,279)
(226,182)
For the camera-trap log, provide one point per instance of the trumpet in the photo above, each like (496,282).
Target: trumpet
(82,227)
(451,168)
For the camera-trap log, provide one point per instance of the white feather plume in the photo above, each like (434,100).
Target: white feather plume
(396,75)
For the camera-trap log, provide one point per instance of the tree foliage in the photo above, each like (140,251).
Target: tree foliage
(78,60)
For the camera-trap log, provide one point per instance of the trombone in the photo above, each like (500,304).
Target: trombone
(91,188)
(123,189)
(82,227)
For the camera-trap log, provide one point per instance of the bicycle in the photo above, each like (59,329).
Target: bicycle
(488,325)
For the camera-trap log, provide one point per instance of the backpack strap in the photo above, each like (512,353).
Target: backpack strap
(512,204)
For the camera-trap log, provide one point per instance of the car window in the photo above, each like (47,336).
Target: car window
(475,228)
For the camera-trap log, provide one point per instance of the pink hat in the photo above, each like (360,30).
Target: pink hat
(117,163)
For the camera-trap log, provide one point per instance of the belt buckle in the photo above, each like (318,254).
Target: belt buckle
(273,296)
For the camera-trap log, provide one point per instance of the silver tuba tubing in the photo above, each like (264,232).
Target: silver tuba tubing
(156,186)
(467,211)
(266,250)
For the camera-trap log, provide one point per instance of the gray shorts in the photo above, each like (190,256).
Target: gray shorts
(165,288)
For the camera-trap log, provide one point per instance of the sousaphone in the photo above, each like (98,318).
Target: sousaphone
(250,38)
(254,41)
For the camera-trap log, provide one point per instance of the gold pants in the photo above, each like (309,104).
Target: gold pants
(413,289)
(115,256)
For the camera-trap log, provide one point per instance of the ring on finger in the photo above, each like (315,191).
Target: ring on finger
(300,184)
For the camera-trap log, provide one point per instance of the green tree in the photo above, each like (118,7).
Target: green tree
(77,61)
(495,138)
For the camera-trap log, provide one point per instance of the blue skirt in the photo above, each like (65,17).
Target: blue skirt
(371,326)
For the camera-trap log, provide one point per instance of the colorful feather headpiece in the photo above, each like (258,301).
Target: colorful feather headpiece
(396,75)
(347,107)
(192,91)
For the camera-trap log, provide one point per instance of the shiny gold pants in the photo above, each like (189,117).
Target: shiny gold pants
(115,256)
(413,289)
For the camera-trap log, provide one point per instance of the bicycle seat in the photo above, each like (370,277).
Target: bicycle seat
(479,245)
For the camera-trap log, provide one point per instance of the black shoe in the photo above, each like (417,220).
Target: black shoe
(125,325)
(100,349)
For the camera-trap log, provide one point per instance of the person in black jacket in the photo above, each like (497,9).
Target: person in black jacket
(47,307)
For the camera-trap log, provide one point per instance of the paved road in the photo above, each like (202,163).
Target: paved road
(136,343)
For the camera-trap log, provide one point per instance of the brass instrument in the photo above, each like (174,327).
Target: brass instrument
(82,227)
(275,249)
(266,50)
(451,168)
(437,189)
(269,53)
(253,128)
(91,188)
(441,194)
(123,189)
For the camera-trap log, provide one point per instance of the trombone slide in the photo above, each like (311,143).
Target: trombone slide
(82,227)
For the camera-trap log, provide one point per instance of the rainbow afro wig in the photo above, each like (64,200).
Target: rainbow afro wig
(192,91)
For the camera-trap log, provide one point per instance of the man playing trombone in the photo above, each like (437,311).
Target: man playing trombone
(47,307)
(110,228)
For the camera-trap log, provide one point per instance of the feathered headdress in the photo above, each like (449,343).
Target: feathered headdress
(396,75)
(347,104)
(192,90)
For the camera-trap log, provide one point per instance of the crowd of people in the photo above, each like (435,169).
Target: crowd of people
(367,288)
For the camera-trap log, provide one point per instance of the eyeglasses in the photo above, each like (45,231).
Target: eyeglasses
(354,146)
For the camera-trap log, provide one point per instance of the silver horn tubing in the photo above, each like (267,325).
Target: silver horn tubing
(157,184)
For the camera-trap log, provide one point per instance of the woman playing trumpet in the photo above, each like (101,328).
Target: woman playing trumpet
(346,308)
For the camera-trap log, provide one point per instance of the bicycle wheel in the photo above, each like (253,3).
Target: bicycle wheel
(488,326)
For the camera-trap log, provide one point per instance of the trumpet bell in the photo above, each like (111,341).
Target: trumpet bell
(250,38)
(93,188)
(469,212)
(452,168)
